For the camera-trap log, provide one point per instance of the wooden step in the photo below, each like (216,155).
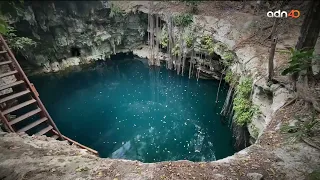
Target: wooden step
(25,116)
(43,131)
(3,52)
(39,121)
(8,73)
(14,96)
(5,62)
(55,136)
(19,106)
(11,85)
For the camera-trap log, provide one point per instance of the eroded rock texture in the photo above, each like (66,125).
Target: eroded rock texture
(89,30)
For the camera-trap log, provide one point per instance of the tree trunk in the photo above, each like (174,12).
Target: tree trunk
(309,32)
(310,27)
(271,56)
(308,37)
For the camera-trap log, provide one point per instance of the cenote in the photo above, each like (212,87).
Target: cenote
(126,109)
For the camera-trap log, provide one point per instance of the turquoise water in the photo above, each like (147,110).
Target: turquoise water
(124,109)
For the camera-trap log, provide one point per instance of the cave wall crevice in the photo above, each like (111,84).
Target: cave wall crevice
(59,26)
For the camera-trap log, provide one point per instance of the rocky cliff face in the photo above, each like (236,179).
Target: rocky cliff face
(271,157)
(71,33)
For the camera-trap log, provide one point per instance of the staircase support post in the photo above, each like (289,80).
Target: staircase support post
(6,123)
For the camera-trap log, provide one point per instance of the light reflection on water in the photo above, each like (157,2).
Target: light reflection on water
(127,110)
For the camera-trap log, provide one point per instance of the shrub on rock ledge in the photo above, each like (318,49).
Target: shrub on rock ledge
(183,20)
(244,110)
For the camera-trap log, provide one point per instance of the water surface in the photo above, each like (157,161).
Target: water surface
(124,109)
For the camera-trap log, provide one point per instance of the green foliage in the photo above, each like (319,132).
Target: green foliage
(314,175)
(228,78)
(115,11)
(300,60)
(231,78)
(207,44)
(244,110)
(244,88)
(189,41)
(9,33)
(176,50)
(242,105)
(183,20)
(227,58)
(303,128)
(3,26)
(164,39)
(255,131)
(16,42)
(189,37)
(20,43)
(221,47)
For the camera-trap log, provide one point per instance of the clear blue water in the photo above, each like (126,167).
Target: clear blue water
(127,110)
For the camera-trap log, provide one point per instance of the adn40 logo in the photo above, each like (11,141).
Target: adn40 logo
(284,14)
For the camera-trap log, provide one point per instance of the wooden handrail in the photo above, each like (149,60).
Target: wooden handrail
(6,122)
(25,78)
(78,144)
(34,89)
(31,87)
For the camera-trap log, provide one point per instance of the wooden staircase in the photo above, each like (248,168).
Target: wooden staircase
(21,110)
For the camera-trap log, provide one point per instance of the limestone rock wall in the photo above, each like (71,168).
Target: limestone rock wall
(98,30)
(93,27)
(246,36)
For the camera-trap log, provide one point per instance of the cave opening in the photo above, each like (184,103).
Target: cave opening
(145,37)
(122,55)
(215,56)
(75,51)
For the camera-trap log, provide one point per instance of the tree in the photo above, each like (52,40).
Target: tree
(308,37)
(9,32)
(273,44)
(310,27)
(308,34)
